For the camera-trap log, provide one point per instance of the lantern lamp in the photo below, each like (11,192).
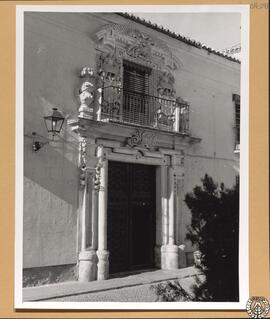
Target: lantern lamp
(54,122)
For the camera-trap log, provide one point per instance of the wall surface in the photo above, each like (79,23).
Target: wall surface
(57,46)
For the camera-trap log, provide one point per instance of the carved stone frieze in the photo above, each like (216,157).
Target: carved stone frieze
(142,138)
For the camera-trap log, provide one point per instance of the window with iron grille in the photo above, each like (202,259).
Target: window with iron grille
(236,99)
(136,108)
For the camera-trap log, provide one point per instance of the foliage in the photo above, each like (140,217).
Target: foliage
(171,291)
(214,231)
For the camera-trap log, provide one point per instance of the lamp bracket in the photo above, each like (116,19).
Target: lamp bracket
(37,142)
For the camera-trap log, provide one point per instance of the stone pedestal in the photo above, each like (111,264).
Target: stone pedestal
(169,257)
(87,265)
(103,264)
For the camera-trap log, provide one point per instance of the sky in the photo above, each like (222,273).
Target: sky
(216,30)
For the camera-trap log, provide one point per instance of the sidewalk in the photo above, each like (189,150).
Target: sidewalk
(132,287)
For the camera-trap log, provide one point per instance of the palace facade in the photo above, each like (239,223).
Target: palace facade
(147,114)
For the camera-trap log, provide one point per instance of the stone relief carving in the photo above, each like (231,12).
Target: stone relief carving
(87,93)
(141,48)
(165,87)
(165,119)
(128,42)
(97,177)
(117,43)
(109,66)
(141,138)
(109,70)
(82,160)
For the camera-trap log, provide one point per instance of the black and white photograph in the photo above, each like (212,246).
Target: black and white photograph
(132,157)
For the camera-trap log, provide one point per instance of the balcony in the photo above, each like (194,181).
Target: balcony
(131,108)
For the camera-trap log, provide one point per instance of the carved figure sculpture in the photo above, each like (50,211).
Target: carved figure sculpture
(87,93)
(166,85)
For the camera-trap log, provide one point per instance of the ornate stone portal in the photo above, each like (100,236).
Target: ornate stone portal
(141,146)
(94,255)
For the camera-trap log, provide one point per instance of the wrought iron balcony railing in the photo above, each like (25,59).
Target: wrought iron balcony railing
(128,107)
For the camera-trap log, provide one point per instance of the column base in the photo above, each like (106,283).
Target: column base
(169,257)
(103,265)
(87,266)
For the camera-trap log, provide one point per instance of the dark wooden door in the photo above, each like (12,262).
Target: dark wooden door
(131,216)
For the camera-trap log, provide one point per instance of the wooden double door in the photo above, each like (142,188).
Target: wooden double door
(131,224)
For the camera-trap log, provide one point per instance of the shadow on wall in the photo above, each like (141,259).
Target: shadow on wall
(54,168)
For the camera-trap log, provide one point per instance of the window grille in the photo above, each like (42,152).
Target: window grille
(236,99)
(133,103)
(136,106)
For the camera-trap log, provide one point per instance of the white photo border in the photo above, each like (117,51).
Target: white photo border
(244,160)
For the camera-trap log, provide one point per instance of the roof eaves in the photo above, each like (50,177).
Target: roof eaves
(174,35)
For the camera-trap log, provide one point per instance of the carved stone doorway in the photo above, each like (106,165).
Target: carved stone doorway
(131,224)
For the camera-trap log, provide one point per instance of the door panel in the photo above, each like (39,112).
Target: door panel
(131,216)
(118,221)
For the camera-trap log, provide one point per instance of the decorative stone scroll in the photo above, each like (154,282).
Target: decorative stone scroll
(142,138)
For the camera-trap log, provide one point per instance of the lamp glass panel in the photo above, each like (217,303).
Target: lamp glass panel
(57,124)
(48,124)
